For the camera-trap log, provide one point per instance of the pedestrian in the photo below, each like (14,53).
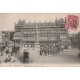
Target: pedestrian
(69,47)
(41,50)
(7,50)
(45,51)
(8,55)
(2,50)
(10,50)
(62,47)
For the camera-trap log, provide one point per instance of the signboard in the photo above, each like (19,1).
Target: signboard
(28,39)
(62,37)
(17,38)
(48,38)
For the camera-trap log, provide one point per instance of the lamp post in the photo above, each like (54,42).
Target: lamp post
(37,37)
(58,38)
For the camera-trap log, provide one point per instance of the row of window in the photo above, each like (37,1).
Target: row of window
(34,26)
(25,30)
(39,35)
(62,32)
(34,29)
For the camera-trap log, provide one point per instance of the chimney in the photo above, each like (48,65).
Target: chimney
(45,21)
(65,19)
(39,21)
(34,21)
(56,20)
(50,21)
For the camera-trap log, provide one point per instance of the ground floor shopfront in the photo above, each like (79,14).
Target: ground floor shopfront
(47,46)
(31,43)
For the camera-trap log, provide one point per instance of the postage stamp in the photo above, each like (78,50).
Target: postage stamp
(72,22)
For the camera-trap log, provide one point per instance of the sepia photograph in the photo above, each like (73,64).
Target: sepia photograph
(39,39)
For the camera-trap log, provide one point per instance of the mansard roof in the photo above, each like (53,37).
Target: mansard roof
(23,23)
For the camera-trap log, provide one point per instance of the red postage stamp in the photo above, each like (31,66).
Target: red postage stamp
(72,22)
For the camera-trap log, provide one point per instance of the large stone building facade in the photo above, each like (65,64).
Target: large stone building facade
(7,36)
(43,33)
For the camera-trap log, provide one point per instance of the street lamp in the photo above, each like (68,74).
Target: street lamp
(37,40)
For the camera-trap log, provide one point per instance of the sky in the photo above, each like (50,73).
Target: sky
(7,20)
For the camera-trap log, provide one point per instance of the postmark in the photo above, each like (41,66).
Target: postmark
(72,22)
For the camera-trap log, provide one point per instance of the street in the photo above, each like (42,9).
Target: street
(65,57)
(68,57)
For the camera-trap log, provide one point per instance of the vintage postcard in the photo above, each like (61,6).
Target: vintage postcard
(39,39)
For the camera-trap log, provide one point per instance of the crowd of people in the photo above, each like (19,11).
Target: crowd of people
(7,49)
(49,49)
(53,48)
